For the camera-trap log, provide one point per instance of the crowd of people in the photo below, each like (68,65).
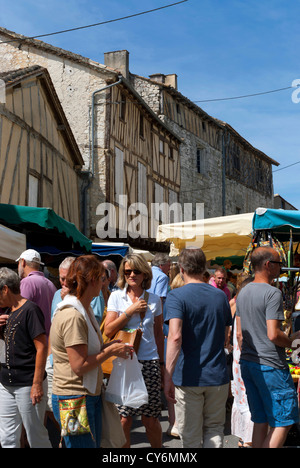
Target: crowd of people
(54,342)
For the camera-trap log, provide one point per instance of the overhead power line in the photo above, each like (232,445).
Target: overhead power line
(247,95)
(98,24)
(286,167)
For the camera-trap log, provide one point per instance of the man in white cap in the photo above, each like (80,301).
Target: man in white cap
(34,285)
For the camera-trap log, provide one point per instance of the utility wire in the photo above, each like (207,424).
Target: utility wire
(247,95)
(286,167)
(97,24)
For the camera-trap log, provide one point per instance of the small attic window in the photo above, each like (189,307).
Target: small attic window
(141,125)
(123,107)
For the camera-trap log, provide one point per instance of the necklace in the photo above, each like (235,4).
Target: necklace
(9,337)
(134,296)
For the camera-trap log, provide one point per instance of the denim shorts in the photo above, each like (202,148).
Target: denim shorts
(271,394)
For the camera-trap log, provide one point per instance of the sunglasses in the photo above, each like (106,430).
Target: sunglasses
(273,261)
(135,272)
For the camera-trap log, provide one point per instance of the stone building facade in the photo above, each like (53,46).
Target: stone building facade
(218,166)
(112,125)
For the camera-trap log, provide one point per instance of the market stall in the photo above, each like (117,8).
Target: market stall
(12,244)
(115,251)
(223,236)
(48,233)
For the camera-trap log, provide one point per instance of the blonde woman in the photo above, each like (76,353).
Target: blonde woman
(123,311)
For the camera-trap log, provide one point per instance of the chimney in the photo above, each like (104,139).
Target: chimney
(119,60)
(159,77)
(171,80)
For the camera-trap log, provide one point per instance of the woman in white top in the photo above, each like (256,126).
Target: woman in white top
(123,311)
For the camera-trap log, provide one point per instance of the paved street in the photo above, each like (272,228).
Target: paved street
(139,439)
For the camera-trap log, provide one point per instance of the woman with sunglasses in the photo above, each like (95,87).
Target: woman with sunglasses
(123,312)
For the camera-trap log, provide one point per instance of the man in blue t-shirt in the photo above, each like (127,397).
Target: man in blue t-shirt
(196,376)
(160,266)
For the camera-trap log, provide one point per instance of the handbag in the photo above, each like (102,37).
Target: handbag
(73,417)
(112,434)
(131,336)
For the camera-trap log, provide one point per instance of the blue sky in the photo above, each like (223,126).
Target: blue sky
(218,49)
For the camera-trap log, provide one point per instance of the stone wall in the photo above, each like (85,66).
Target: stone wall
(206,186)
(74,83)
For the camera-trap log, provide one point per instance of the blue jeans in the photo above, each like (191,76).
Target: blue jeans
(94,411)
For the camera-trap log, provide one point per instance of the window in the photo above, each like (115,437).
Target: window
(142,199)
(33,191)
(123,107)
(159,200)
(161,146)
(200,160)
(175,210)
(171,153)
(141,126)
(142,183)
(119,171)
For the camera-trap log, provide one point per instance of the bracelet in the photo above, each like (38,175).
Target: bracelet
(126,315)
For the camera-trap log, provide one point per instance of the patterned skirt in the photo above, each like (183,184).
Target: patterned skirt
(152,377)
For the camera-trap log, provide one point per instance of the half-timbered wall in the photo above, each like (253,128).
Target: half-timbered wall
(191,121)
(143,156)
(248,177)
(36,166)
(248,169)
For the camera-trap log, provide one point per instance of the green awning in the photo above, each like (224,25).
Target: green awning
(44,226)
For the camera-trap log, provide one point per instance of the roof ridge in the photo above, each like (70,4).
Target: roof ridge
(56,50)
(15,73)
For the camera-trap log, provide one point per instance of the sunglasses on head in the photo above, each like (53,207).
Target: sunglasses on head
(128,272)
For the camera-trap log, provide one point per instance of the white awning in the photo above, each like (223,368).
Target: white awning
(12,244)
(224,236)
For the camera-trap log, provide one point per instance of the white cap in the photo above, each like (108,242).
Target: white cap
(30,255)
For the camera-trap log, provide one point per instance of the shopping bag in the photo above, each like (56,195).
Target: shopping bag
(112,434)
(131,337)
(126,385)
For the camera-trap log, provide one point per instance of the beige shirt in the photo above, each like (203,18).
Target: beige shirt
(69,328)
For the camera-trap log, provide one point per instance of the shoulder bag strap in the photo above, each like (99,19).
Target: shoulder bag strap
(142,314)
